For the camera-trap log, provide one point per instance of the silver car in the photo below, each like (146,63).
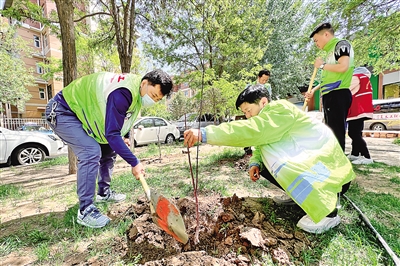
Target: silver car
(27,147)
(153,130)
(191,120)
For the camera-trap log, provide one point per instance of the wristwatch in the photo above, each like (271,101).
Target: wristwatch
(322,66)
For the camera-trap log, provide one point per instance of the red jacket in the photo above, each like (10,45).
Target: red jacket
(361,106)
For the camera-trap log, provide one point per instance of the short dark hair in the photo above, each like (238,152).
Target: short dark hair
(264,72)
(160,77)
(322,26)
(252,94)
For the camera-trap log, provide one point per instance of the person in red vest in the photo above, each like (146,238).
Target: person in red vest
(361,109)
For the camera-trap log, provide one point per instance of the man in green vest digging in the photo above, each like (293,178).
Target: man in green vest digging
(92,115)
(295,153)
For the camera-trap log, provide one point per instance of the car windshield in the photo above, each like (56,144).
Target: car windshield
(33,127)
(189,117)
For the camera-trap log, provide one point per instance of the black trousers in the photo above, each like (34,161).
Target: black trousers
(358,144)
(336,107)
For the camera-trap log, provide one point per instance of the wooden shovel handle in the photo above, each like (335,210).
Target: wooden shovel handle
(147,192)
(145,186)
(310,87)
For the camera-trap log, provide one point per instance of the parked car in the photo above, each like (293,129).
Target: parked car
(153,130)
(192,121)
(386,115)
(27,147)
(30,126)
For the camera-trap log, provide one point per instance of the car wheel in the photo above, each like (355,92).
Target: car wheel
(378,127)
(27,155)
(169,139)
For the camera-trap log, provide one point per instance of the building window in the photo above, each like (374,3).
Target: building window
(49,92)
(42,94)
(45,41)
(39,69)
(391,90)
(36,40)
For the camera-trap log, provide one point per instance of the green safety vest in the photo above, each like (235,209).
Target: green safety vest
(303,155)
(87,98)
(335,80)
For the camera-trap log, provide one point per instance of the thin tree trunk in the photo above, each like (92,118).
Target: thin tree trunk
(125,31)
(65,11)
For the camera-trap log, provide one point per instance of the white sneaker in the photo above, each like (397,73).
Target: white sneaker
(324,225)
(352,157)
(283,200)
(112,196)
(363,160)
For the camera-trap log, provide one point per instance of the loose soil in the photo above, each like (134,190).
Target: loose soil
(231,230)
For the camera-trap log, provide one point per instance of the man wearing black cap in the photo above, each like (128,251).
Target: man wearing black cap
(337,71)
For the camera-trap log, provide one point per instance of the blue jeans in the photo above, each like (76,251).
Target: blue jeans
(94,159)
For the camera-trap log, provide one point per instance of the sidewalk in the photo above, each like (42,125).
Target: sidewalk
(381,150)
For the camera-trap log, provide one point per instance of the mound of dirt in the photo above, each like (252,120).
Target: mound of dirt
(232,231)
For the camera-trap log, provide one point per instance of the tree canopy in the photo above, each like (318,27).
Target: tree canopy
(216,36)
(372,26)
(14,76)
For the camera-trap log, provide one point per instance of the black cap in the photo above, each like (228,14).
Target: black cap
(320,27)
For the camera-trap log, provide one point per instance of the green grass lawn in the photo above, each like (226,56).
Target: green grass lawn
(52,237)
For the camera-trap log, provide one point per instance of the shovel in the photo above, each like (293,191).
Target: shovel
(310,87)
(165,214)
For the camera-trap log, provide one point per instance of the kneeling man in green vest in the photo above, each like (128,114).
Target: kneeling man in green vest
(295,153)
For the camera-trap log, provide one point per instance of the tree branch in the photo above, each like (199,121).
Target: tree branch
(91,15)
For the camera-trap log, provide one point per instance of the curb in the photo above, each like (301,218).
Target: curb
(381,135)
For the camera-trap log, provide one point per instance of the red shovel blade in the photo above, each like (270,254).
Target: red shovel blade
(165,214)
(168,218)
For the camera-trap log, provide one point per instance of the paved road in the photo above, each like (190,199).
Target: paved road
(381,149)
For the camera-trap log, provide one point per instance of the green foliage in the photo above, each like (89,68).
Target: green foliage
(53,68)
(289,51)
(22,9)
(219,36)
(10,243)
(42,252)
(9,190)
(60,160)
(14,76)
(369,25)
(159,109)
(180,105)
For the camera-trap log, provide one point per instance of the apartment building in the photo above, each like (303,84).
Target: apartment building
(44,45)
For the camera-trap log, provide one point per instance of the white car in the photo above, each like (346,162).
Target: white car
(27,147)
(153,130)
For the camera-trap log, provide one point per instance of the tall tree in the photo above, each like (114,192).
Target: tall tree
(288,48)
(179,105)
(65,12)
(219,36)
(117,23)
(25,9)
(14,76)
